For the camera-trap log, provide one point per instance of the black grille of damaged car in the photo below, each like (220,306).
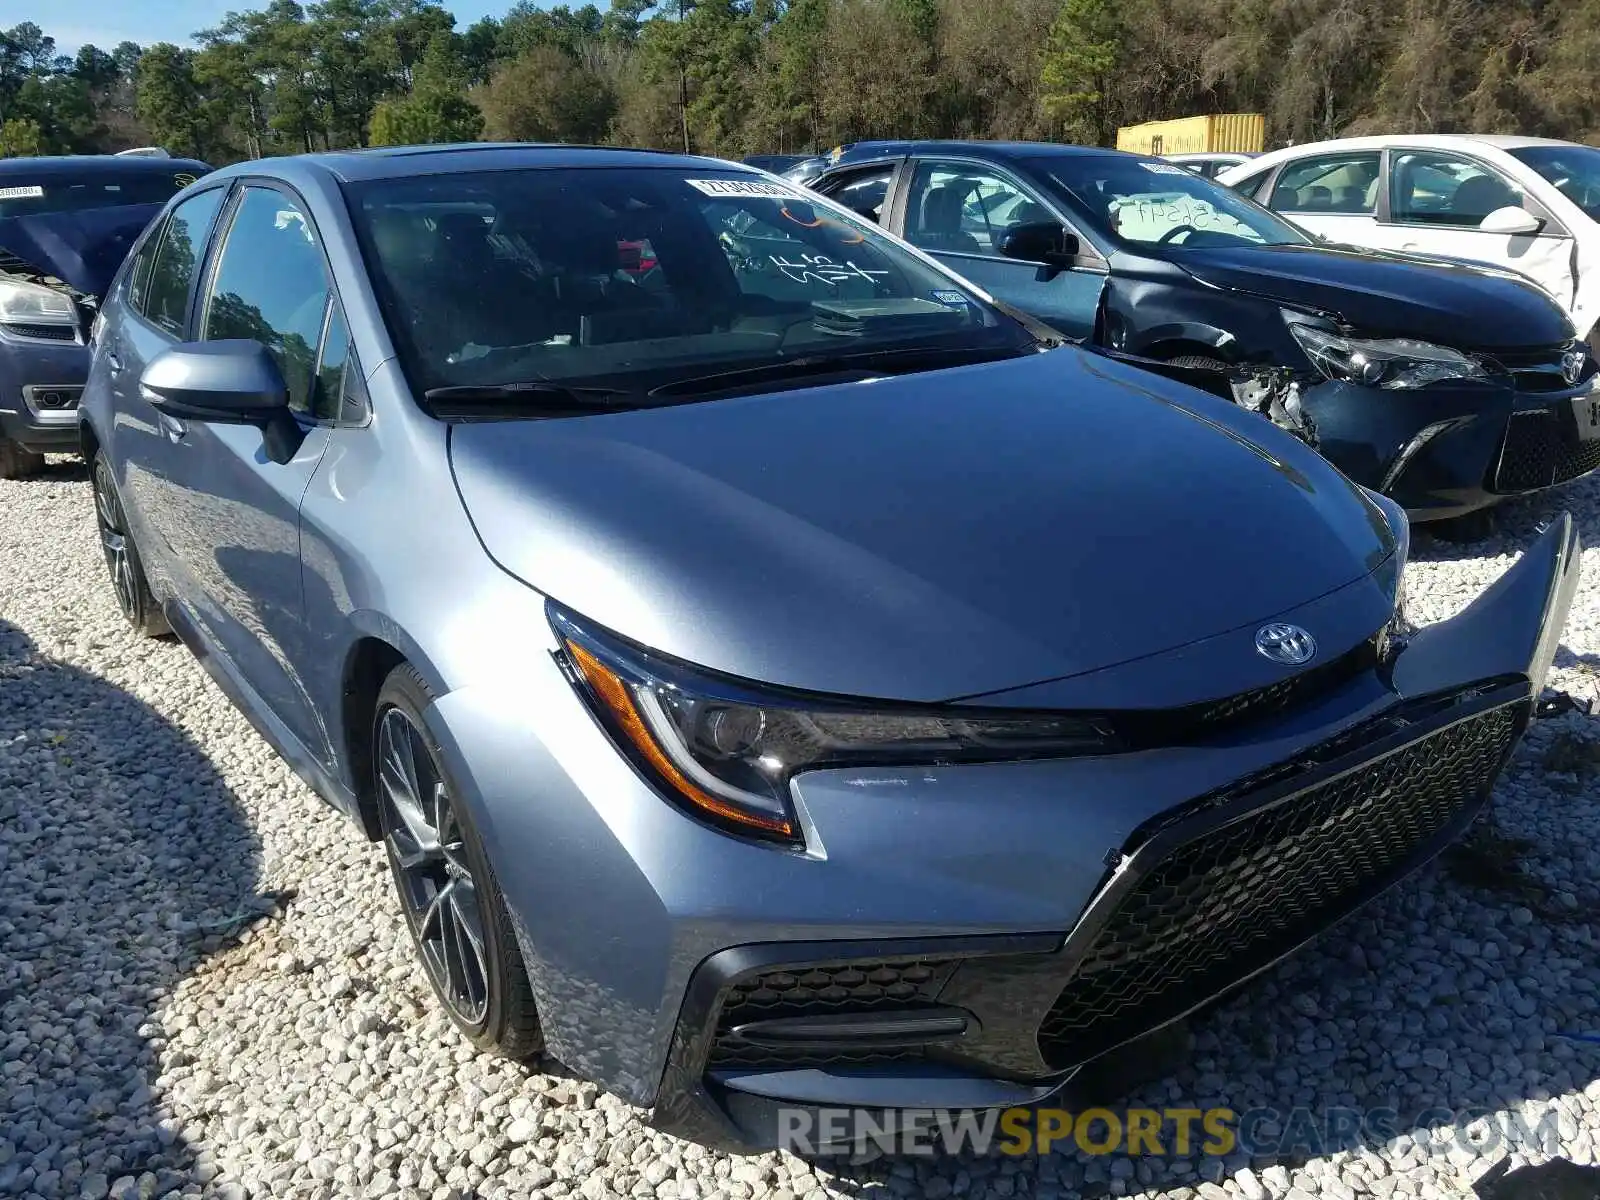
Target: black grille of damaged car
(1230,900)
(1542,448)
(46,333)
(1538,370)
(813,991)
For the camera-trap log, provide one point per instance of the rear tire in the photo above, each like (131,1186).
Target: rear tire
(447,889)
(123,564)
(17,463)
(1475,526)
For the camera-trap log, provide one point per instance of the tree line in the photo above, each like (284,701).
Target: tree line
(732,77)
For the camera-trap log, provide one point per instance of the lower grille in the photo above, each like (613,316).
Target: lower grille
(1236,897)
(812,991)
(1542,449)
(1577,458)
(43,333)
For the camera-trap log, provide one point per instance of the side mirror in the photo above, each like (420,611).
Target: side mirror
(1511,220)
(231,382)
(1043,242)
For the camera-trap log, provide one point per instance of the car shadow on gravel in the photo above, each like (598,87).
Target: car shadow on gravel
(1515,523)
(60,469)
(124,860)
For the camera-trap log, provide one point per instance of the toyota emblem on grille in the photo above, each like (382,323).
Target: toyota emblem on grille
(1286,644)
(1572,364)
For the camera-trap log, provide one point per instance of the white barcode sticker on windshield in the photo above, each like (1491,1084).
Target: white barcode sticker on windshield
(743,187)
(35,192)
(1165,169)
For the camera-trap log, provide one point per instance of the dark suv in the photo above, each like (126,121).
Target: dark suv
(1445,385)
(65,227)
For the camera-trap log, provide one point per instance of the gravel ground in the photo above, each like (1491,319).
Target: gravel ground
(205,986)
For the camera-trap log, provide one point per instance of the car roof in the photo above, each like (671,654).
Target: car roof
(89,166)
(399,162)
(1004,151)
(1427,141)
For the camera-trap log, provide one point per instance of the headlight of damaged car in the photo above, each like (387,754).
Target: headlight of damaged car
(727,752)
(24,303)
(1393,363)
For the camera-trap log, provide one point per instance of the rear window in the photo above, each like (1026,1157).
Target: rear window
(21,196)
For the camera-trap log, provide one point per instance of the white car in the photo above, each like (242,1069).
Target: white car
(1529,205)
(1210,164)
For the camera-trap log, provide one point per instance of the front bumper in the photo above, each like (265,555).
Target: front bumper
(938,948)
(1447,450)
(40,388)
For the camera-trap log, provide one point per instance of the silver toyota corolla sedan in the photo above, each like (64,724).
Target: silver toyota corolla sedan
(780,678)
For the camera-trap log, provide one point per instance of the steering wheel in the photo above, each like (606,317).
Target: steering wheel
(1174,232)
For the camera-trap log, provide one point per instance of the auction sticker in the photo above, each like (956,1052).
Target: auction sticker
(35,192)
(742,187)
(950,298)
(1165,169)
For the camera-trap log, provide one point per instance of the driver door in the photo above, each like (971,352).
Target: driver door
(959,211)
(1437,201)
(268,281)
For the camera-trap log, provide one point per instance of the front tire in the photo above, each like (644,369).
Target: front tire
(448,892)
(128,582)
(17,463)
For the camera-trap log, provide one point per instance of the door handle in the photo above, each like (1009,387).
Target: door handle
(1409,246)
(175,429)
(113,361)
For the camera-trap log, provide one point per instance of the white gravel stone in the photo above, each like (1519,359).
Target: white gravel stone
(205,987)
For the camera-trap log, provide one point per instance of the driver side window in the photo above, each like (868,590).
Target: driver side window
(270,285)
(954,208)
(1445,189)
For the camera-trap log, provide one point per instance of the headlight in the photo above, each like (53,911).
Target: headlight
(29,304)
(727,753)
(1393,363)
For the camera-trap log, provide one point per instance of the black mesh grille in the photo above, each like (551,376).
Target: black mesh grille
(50,333)
(1543,448)
(1233,899)
(823,991)
(1577,458)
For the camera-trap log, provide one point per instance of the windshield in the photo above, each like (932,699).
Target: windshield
(1145,202)
(635,277)
(21,196)
(1574,170)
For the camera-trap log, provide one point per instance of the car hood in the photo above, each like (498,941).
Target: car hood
(927,537)
(1390,294)
(83,249)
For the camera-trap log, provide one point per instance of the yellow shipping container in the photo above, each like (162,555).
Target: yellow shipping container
(1237,132)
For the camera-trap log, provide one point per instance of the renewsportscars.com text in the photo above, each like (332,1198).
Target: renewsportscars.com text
(1179,1132)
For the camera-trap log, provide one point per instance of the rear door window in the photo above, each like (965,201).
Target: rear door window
(1335,183)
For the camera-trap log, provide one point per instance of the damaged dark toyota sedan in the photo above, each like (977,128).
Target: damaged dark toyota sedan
(65,227)
(778,681)
(1445,385)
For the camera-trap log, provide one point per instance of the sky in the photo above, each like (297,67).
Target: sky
(106,22)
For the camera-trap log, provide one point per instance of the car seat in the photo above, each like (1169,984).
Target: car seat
(940,226)
(1479,196)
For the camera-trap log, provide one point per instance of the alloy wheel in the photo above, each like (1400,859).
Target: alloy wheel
(436,883)
(114,544)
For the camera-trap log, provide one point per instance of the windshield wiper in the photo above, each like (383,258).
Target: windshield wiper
(862,362)
(531,398)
